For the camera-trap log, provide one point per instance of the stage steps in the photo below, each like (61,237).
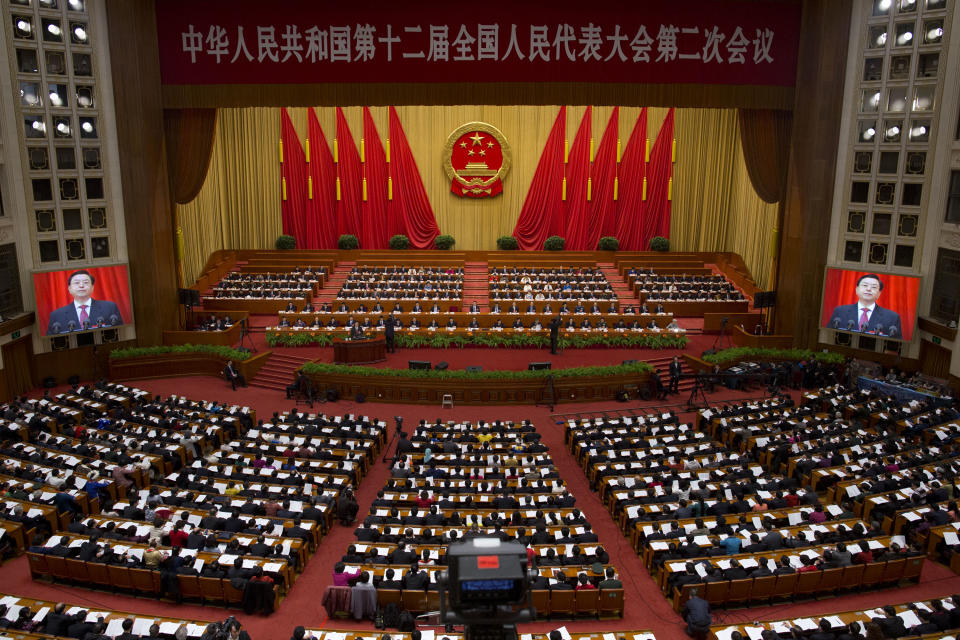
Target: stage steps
(476,285)
(278,372)
(624,293)
(662,365)
(332,285)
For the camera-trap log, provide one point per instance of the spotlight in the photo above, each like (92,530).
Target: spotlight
(905,37)
(24,28)
(55,99)
(893,131)
(54,30)
(882,39)
(916,132)
(86,126)
(869,133)
(884,5)
(38,125)
(63,128)
(934,34)
(80,34)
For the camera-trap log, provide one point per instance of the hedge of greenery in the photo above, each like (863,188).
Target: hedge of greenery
(324,369)
(227,353)
(745,354)
(443,340)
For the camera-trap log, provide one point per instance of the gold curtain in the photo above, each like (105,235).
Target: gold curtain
(713,201)
(189,135)
(765,136)
(715,207)
(239,204)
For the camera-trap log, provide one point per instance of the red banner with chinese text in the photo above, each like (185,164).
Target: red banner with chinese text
(746,42)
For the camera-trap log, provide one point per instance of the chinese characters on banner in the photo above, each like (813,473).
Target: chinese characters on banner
(697,41)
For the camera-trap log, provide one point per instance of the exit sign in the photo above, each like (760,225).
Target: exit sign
(936,339)
(14,335)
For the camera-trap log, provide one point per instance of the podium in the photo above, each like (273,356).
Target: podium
(365,351)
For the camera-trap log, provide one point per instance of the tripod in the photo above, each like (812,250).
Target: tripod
(719,338)
(698,396)
(548,395)
(394,439)
(245,338)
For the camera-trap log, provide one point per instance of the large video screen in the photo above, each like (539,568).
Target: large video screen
(873,303)
(82,299)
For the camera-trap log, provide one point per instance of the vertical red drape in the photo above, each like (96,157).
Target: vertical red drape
(293,205)
(602,174)
(657,219)
(350,175)
(322,196)
(578,172)
(374,231)
(409,196)
(542,212)
(630,174)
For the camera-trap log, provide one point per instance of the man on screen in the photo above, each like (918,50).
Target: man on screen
(84,312)
(866,316)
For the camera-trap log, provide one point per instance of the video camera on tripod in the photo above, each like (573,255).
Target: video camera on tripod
(486,588)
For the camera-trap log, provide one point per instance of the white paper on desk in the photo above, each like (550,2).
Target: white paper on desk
(900,540)
(794,518)
(726,634)
(853,491)
(950,538)
(644,636)
(169,628)
(523,636)
(781,627)
(835,621)
(114,627)
(701,570)
(249,563)
(196,630)
(807,624)
(227,559)
(141,626)
(754,633)
(910,618)
(749,563)
(198,564)
(874,544)
(563,633)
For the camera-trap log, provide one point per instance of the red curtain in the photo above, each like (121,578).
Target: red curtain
(630,203)
(110,283)
(657,219)
(578,171)
(375,234)
(350,174)
(409,196)
(602,174)
(542,212)
(322,207)
(293,206)
(900,294)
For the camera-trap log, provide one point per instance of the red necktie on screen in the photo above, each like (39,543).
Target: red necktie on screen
(863,319)
(83,314)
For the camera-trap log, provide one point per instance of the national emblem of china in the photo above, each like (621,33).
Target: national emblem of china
(477,159)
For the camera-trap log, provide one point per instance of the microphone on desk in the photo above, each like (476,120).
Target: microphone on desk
(71,326)
(56,327)
(892,331)
(99,321)
(114,319)
(835,324)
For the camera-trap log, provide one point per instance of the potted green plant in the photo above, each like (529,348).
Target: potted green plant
(608,243)
(507,243)
(348,241)
(286,242)
(659,243)
(554,243)
(444,242)
(399,242)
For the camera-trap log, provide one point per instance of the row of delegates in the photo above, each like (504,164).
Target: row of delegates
(257,294)
(557,295)
(213,323)
(700,296)
(418,270)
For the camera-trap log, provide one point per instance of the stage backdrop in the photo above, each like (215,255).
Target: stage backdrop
(714,205)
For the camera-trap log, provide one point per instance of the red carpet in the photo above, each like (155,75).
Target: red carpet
(645,607)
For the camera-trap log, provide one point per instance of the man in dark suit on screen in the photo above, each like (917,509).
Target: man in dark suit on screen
(866,316)
(83,312)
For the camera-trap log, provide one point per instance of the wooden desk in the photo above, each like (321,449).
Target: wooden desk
(363,351)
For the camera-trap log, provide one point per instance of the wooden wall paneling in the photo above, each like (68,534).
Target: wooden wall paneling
(805,224)
(935,359)
(135,67)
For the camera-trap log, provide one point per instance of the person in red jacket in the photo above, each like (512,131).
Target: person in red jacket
(178,537)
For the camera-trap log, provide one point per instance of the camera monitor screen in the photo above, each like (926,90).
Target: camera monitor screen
(82,299)
(878,304)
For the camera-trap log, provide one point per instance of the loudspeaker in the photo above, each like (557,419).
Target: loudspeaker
(625,362)
(109,335)
(189,297)
(332,394)
(418,364)
(764,299)
(539,366)
(440,366)
(474,369)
